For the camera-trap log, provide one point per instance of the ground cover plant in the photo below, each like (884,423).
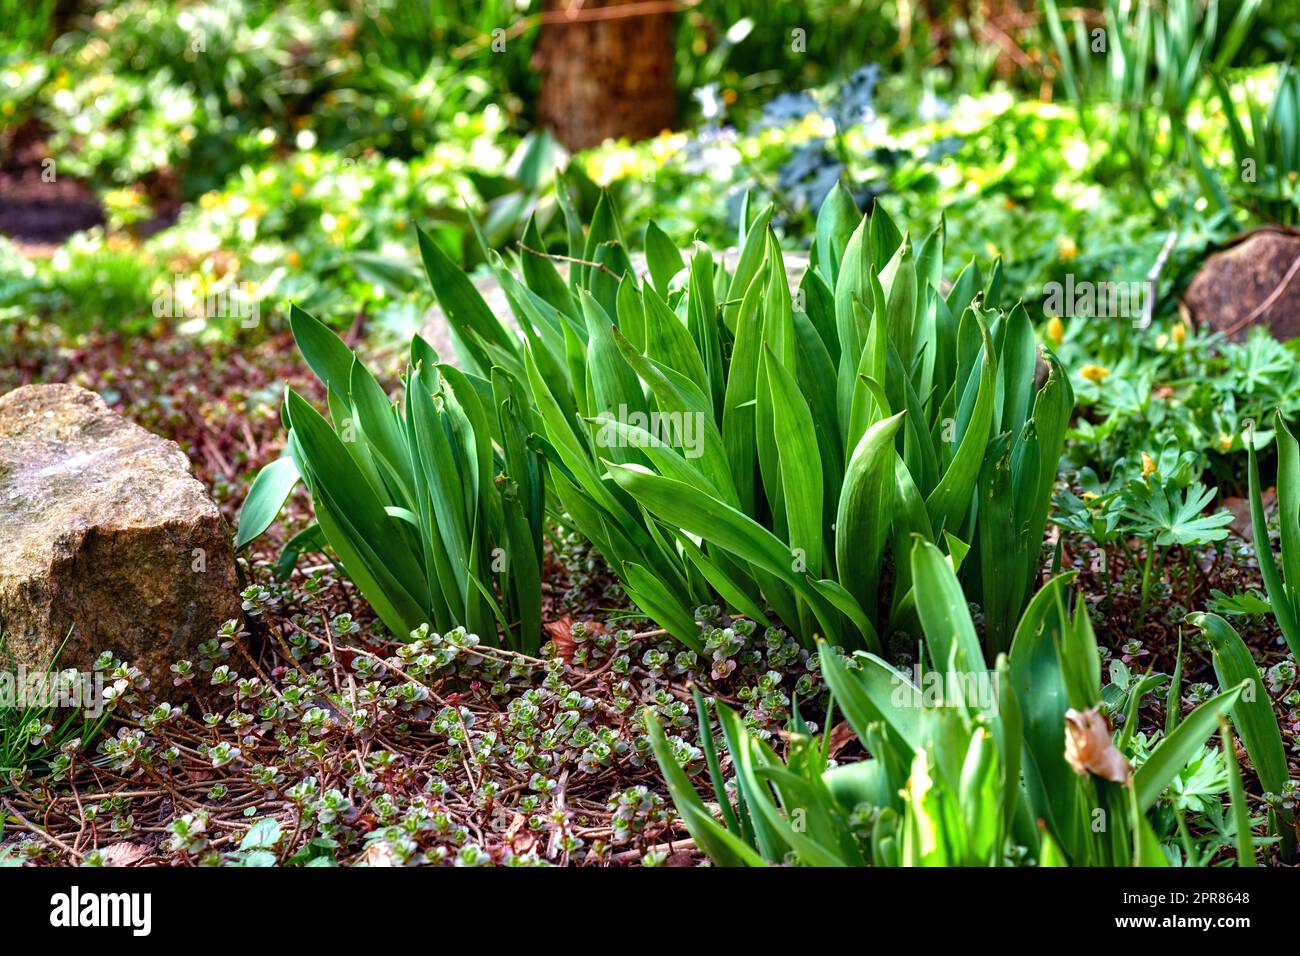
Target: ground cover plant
(749,494)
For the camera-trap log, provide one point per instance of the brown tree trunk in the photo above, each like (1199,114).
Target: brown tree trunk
(606,73)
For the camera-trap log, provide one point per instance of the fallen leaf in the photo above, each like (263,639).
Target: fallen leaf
(124,854)
(841,736)
(521,839)
(561,634)
(1240,508)
(379,854)
(1090,749)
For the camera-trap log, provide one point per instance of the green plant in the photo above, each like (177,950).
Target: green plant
(712,434)
(1267,158)
(1280,584)
(31,23)
(1158,502)
(960,779)
(47,716)
(90,283)
(1255,721)
(433,509)
(1154,60)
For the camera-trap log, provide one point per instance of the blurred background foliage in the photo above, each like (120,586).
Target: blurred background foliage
(291,147)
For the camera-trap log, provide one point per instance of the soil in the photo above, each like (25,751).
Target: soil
(37,213)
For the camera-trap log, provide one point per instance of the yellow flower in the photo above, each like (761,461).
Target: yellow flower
(298,189)
(1066,248)
(1089,495)
(293,258)
(1225,442)
(1056,329)
(210,200)
(1094,373)
(1148,465)
(1179,332)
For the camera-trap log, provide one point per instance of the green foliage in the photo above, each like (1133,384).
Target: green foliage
(1267,154)
(87,282)
(1152,64)
(1281,584)
(1254,719)
(48,718)
(954,777)
(1156,502)
(713,434)
(434,509)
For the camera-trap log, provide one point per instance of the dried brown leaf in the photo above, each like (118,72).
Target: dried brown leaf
(1240,508)
(124,854)
(379,854)
(561,634)
(841,736)
(1089,747)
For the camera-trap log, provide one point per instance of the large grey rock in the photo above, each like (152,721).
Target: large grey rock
(438,333)
(105,538)
(1255,281)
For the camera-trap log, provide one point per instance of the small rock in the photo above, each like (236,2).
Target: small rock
(105,539)
(1256,281)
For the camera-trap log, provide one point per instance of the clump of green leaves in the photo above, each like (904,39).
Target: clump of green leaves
(50,719)
(1282,585)
(1267,153)
(1156,501)
(715,435)
(434,509)
(1255,721)
(963,779)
